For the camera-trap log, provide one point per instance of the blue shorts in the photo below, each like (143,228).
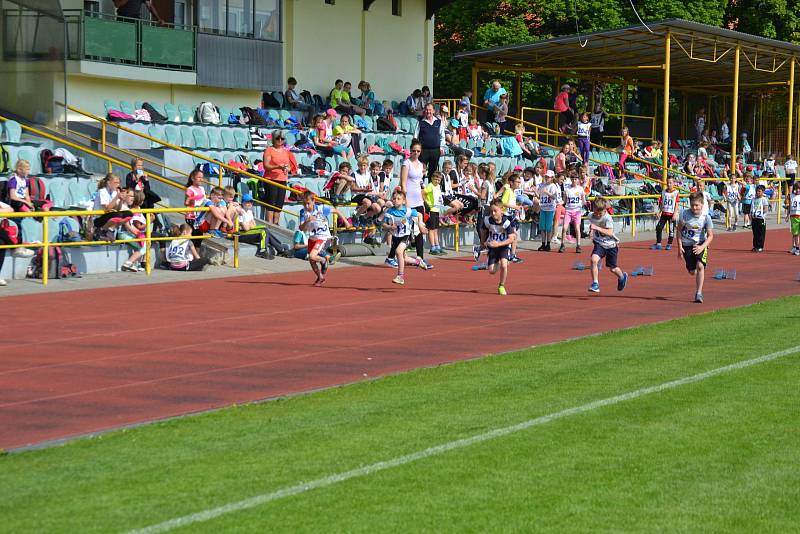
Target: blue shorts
(546,220)
(499,253)
(610,254)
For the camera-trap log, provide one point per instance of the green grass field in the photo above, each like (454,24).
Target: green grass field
(720,454)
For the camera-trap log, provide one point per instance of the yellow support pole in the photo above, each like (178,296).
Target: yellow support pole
(148,232)
(665,131)
(236,243)
(735,104)
(456,235)
(474,91)
(624,105)
(633,218)
(45,250)
(655,112)
(778,211)
(791,109)
(103,143)
(517,94)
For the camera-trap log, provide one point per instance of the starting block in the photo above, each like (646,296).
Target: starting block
(579,266)
(722,274)
(643,271)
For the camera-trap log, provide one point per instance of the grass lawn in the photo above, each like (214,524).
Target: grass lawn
(716,455)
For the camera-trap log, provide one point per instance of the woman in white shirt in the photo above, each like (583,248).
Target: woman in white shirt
(411,175)
(109,200)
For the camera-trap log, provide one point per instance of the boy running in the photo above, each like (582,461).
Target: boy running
(666,207)
(606,245)
(497,234)
(314,220)
(697,231)
(758,218)
(793,215)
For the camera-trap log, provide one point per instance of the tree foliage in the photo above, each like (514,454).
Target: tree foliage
(475,24)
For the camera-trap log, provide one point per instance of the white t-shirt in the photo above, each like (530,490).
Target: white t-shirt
(246,217)
(574,200)
(604,221)
(790,166)
(584,128)
(414,183)
(669,201)
(103,198)
(794,206)
(694,229)
(363,180)
(179,253)
(706,202)
(548,197)
(760,208)
(732,192)
(318,229)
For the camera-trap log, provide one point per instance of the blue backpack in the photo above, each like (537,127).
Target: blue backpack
(68,230)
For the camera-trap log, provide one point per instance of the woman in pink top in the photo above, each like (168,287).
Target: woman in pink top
(278,163)
(560,162)
(562,106)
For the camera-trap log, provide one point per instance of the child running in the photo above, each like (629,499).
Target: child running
(497,234)
(793,215)
(606,245)
(758,218)
(575,198)
(314,220)
(667,206)
(697,231)
(399,221)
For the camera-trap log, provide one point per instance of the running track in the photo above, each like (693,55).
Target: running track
(79,362)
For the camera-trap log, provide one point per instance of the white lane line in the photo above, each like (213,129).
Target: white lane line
(303,487)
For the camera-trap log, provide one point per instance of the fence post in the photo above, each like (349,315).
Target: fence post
(236,243)
(780,188)
(335,239)
(147,244)
(633,217)
(45,249)
(456,236)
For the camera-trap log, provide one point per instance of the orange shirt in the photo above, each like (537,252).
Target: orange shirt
(279,156)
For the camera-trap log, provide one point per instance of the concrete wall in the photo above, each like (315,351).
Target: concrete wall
(324,42)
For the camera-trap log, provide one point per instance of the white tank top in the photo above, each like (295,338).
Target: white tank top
(414,183)
(584,128)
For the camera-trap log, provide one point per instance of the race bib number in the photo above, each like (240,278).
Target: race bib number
(497,237)
(733,196)
(177,253)
(668,203)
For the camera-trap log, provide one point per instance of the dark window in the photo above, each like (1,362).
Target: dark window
(397,8)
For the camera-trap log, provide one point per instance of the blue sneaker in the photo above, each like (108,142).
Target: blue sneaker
(657,246)
(424,265)
(622,282)
(216,233)
(391,262)
(595,287)
(668,247)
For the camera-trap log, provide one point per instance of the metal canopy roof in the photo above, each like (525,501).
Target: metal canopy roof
(702,56)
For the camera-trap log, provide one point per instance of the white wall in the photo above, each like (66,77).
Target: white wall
(325,42)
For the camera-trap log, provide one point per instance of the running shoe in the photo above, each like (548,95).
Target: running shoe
(622,282)
(422,264)
(323,267)
(390,262)
(562,248)
(595,287)
(542,248)
(516,259)
(698,298)
(797,252)
(128,266)
(216,233)
(476,252)
(3,283)
(335,257)
(668,247)
(501,290)
(398,280)
(578,249)
(657,246)
(23,252)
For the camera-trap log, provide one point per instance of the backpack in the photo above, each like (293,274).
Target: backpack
(114,115)
(307,97)
(269,101)
(4,191)
(249,116)
(320,164)
(361,124)
(207,114)
(383,125)
(68,230)
(35,268)
(11,231)
(37,188)
(155,116)
(4,162)
(319,104)
(50,162)
(297,195)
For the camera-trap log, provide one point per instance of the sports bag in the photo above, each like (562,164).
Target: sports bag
(50,162)
(207,114)
(155,116)
(383,125)
(270,101)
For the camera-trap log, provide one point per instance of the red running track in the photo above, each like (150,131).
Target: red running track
(106,358)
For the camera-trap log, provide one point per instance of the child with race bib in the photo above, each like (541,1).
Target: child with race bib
(793,215)
(574,199)
(314,221)
(732,200)
(697,231)
(497,235)
(748,194)
(399,222)
(181,252)
(758,218)
(606,245)
(548,196)
(667,207)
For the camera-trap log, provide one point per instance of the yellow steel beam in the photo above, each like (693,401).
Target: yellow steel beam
(735,104)
(791,109)
(665,131)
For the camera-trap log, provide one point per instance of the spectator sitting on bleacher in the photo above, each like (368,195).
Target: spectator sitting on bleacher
(181,253)
(217,216)
(413,104)
(475,131)
(367,99)
(427,97)
(19,196)
(110,200)
(295,101)
(319,136)
(138,181)
(347,132)
(368,202)
(341,182)
(278,162)
(340,101)
(134,229)
(234,209)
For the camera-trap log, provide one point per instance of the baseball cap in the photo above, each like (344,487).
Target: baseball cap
(444,109)
(332,113)
(247,197)
(550,172)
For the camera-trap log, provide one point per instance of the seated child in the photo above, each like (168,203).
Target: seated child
(134,229)
(181,252)
(210,221)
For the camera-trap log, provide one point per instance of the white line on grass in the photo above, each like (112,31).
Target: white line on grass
(258,500)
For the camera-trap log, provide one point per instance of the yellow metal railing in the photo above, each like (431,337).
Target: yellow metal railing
(553,114)
(148,238)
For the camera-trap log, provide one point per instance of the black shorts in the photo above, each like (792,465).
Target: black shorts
(693,259)
(274,196)
(610,255)
(746,208)
(359,198)
(433,221)
(405,239)
(499,253)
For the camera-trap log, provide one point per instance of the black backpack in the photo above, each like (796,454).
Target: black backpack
(319,104)
(383,125)
(155,116)
(270,101)
(252,117)
(4,162)
(4,191)
(307,97)
(320,164)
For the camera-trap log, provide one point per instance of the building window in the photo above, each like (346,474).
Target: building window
(397,8)
(243,18)
(330,2)
(181,13)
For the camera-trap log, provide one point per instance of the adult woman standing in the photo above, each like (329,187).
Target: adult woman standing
(411,175)
(278,163)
